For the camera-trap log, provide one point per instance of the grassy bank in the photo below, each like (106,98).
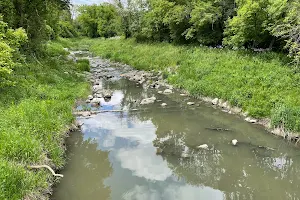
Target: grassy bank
(263,84)
(34,115)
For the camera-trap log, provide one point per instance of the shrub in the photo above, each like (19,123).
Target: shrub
(83,65)
(10,41)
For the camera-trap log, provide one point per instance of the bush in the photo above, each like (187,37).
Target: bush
(55,49)
(10,41)
(67,30)
(83,65)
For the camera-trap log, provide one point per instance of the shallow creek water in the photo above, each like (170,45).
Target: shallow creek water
(115,156)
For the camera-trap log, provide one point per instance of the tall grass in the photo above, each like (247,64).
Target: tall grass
(34,115)
(260,83)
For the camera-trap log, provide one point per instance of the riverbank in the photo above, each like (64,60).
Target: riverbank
(147,132)
(35,115)
(264,85)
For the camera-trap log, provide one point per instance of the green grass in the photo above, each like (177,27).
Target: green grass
(83,65)
(34,115)
(263,84)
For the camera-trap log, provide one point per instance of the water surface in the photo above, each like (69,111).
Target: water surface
(115,155)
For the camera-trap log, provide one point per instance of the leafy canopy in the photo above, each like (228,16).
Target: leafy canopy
(10,42)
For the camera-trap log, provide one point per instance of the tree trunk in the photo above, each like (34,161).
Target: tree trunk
(272,43)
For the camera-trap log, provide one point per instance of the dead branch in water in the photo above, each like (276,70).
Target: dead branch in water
(47,167)
(218,129)
(83,113)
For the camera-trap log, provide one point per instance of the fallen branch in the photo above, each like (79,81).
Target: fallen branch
(218,129)
(47,167)
(267,148)
(99,111)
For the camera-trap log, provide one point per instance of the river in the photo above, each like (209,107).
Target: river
(151,153)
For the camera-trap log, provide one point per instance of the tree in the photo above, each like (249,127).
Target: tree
(247,28)
(99,20)
(205,21)
(154,26)
(287,27)
(33,16)
(10,42)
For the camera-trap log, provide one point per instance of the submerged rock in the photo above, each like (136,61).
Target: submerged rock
(251,120)
(186,152)
(107,93)
(236,110)
(168,91)
(97,88)
(97,82)
(203,146)
(215,101)
(96,101)
(98,96)
(234,142)
(225,105)
(148,101)
(83,113)
(163,104)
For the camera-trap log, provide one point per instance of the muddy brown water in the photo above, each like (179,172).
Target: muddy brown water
(114,156)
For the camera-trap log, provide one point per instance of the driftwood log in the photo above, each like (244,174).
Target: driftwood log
(47,167)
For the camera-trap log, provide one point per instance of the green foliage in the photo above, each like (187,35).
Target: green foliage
(99,20)
(234,23)
(33,118)
(10,41)
(247,28)
(287,28)
(36,17)
(83,65)
(67,29)
(54,48)
(15,181)
(287,117)
(205,20)
(66,25)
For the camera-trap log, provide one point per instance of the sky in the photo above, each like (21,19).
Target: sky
(89,2)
